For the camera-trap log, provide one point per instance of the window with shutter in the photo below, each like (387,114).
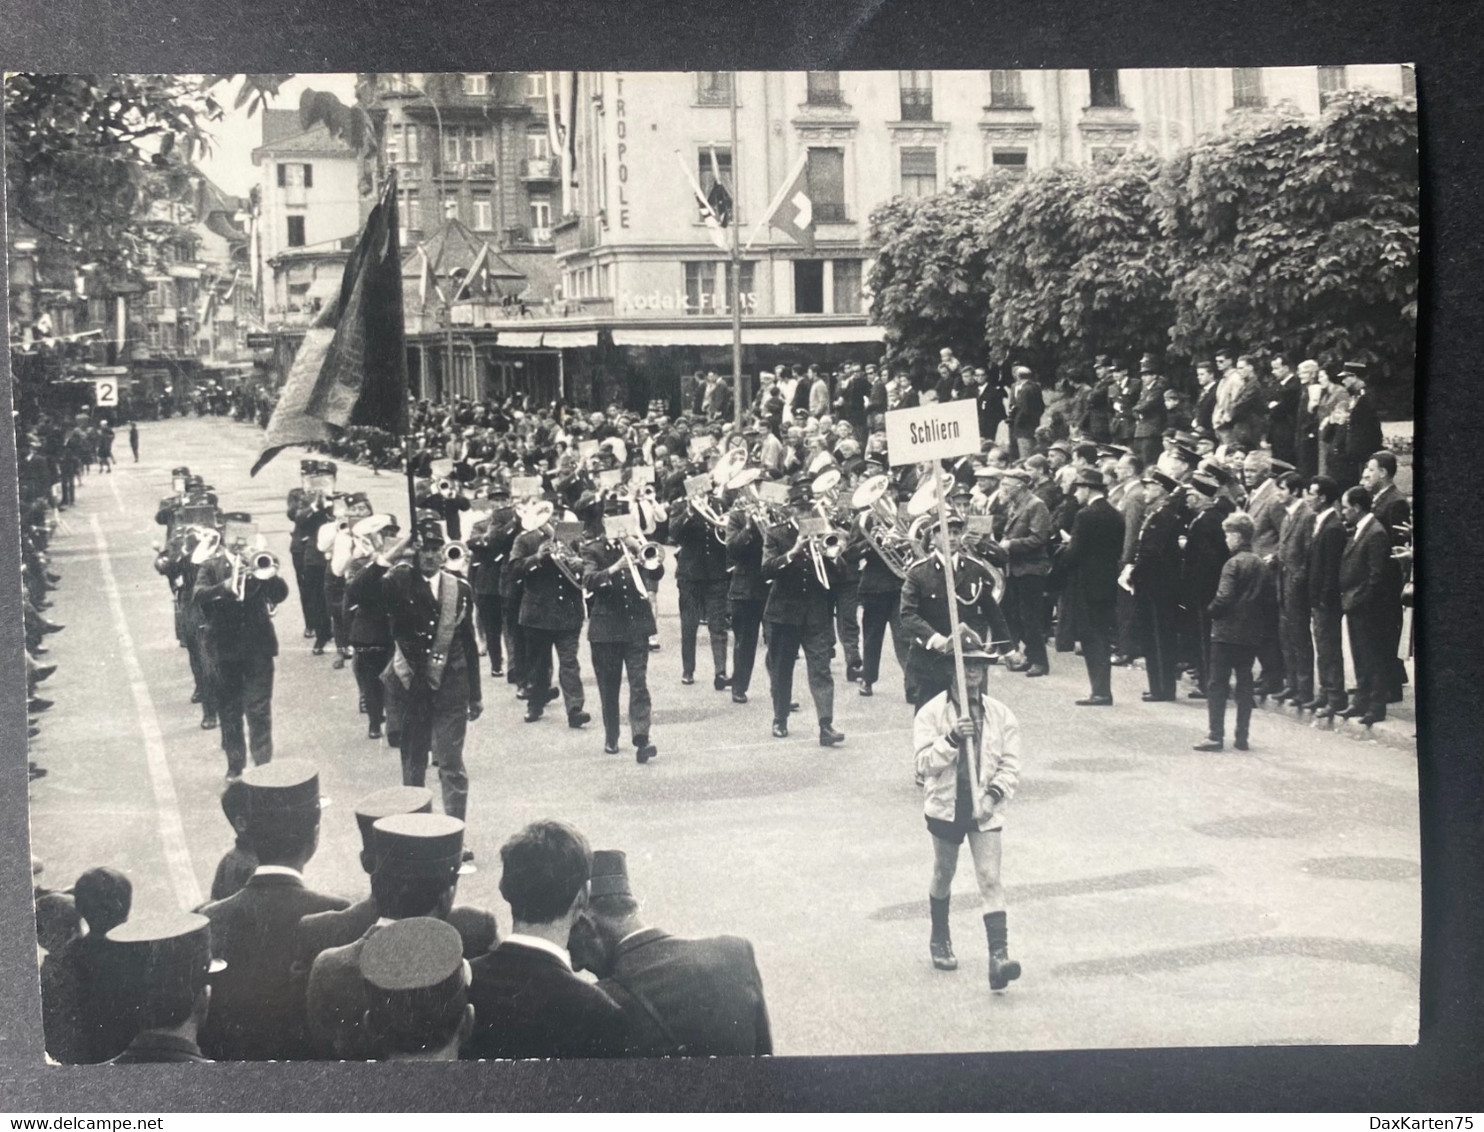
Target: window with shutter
(919,171)
(1247,88)
(824,88)
(916,95)
(1331,81)
(309,176)
(1005,90)
(826,178)
(1105,92)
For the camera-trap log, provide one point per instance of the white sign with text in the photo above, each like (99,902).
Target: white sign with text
(932,432)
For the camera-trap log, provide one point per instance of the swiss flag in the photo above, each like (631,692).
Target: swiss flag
(792,209)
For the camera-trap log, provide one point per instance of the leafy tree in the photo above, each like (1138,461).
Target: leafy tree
(1076,267)
(928,282)
(1300,234)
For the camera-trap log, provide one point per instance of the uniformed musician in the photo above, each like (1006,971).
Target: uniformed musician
(551,613)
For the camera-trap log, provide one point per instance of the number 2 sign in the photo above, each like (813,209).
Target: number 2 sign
(106,393)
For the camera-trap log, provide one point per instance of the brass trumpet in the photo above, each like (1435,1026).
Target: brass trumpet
(456,557)
(264,565)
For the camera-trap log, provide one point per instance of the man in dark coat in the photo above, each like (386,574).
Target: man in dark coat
(1306,425)
(1283,411)
(1291,565)
(1392,511)
(1025,542)
(257,1007)
(155,975)
(1090,598)
(1205,554)
(1026,408)
(1149,411)
(551,614)
(527,1000)
(240,645)
(701,579)
(800,615)
(990,398)
(1363,432)
(1236,630)
(432,682)
(679,997)
(369,623)
(620,623)
(1326,547)
(1364,567)
(310,507)
(746,595)
(1154,577)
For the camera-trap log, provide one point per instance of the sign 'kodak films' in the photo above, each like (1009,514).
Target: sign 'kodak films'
(932,432)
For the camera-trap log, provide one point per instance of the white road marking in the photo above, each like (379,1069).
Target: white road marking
(167,805)
(117,498)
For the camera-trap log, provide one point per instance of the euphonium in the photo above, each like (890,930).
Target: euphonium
(651,556)
(565,559)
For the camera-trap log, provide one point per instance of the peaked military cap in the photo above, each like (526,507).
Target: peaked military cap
(163,954)
(413,971)
(388,803)
(1154,475)
(419,845)
(284,788)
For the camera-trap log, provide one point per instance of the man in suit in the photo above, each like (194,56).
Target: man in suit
(746,595)
(990,399)
(156,973)
(490,540)
(1205,554)
(926,620)
(1326,546)
(257,1009)
(1205,398)
(240,644)
(800,614)
(1392,511)
(679,997)
(1364,567)
(432,682)
(310,509)
(1363,432)
(1090,599)
(1283,411)
(1265,505)
(1306,424)
(1292,566)
(620,623)
(1025,543)
(1154,579)
(1236,630)
(415,873)
(527,1000)
(551,614)
(1126,496)
(369,622)
(1026,408)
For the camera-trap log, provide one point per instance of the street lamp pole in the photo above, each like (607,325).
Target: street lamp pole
(735,280)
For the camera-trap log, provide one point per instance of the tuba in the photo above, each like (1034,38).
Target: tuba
(881,524)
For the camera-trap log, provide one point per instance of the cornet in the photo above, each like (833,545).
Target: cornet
(447,488)
(264,565)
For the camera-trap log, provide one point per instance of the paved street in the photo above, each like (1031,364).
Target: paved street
(1156,896)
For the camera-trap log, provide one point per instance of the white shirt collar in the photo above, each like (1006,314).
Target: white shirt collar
(1365,520)
(277,871)
(541,945)
(1319,518)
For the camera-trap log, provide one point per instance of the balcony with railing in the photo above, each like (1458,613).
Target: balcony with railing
(465,170)
(539,169)
(521,236)
(917,104)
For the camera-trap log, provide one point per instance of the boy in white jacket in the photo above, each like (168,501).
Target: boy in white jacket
(969,761)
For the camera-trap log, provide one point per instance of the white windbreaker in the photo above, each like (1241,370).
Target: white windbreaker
(997,764)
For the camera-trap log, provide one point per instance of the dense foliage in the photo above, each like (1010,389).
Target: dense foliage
(1283,232)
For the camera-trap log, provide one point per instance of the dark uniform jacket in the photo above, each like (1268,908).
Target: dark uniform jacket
(1149,409)
(238,629)
(1026,407)
(1205,555)
(744,555)
(617,612)
(1237,610)
(925,604)
(308,515)
(548,600)
(365,607)
(257,1002)
(528,1003)
(152,1047)
(689,997)
(447,509)
(1283,411)
(990,398)
(1363,433)
(1090,561)
(325,930)
(1157,559)
(413,608)
(701,556)
(795,596)
(490,543)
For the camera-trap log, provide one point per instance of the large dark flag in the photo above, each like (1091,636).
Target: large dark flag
(352,366)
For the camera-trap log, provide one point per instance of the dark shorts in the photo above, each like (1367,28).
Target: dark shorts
(953,831)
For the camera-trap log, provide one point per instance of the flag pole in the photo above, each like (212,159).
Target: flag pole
(952,589)
(389,202)
(736,267)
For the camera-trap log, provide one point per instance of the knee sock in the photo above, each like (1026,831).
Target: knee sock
(938,908)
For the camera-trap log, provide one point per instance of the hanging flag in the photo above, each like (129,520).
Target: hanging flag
(715,227)
(351,368)
(718,196)
(479,273)
(791,209)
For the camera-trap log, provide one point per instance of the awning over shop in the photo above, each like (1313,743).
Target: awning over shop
(751,335)
(519,339)
(569,339)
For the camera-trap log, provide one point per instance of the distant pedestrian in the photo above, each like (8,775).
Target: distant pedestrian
(134,440)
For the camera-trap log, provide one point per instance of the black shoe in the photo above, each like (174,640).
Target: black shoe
(721,683)
(1036,670)
(1209,745)
(553,694)
(308,633)
(794,706)
(496,672)
(654,645)
(1002,970)
(1324,715)
(578,718)
(829,737)
(34,770)
(522,694)
(36,703)
(467,857)
(853,672)
(644,752)
(318,650)
(1370,718)
(1352,712)
(373,732)
(37,650)
(1096,701)
(780,730)
(687,678)
(1284,695)
(1313,704)
(339,662)
(534,713)
(1151,698)
(865,689)
(208,723)
(1240,744)
(942,952)
(1119,661)
(45,670)
(196,696)
(49,626)
(31,733)
(610,747)
(738,697)
(1195,694)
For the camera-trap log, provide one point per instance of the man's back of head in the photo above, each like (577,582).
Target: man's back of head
(545,868)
